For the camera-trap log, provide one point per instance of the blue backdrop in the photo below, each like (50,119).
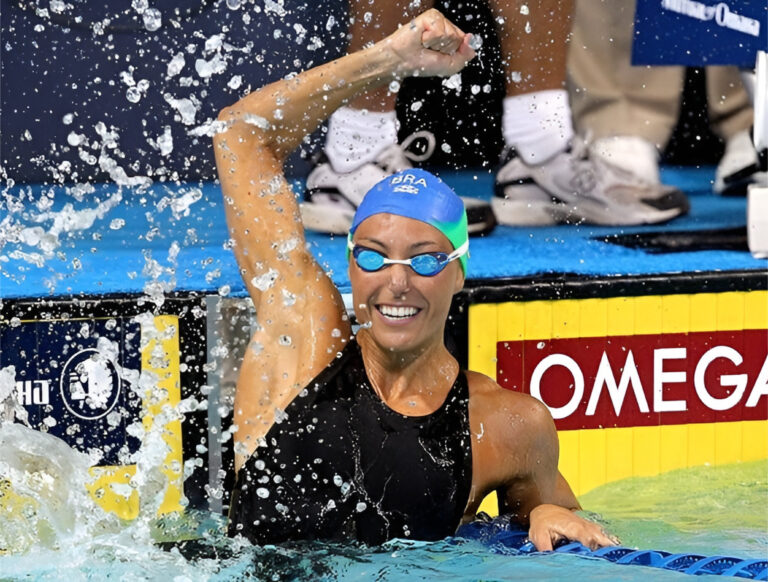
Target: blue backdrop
(700,33)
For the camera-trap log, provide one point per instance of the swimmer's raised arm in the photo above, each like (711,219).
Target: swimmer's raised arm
(266,125)
(300,312)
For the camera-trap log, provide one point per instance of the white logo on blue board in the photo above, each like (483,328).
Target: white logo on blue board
(720,13)
(90,384)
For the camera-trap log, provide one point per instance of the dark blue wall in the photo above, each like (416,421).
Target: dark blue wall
(75,62)
(72,62)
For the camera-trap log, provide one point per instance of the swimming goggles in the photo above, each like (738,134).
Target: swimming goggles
(425,264)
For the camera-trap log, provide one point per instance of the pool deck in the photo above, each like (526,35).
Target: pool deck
(174,237)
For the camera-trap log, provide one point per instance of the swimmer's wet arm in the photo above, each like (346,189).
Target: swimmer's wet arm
(541,497)
(264,222)
(532,475)
(564,496)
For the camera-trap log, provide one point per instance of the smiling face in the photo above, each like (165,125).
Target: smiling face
(406,311)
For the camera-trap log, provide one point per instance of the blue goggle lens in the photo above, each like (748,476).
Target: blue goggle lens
(426,265)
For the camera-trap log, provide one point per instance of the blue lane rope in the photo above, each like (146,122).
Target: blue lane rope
(501,535)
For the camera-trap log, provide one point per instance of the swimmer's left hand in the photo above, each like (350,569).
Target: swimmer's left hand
(551,524)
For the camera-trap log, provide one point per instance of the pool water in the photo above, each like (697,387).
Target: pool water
(707,510)
(704,510)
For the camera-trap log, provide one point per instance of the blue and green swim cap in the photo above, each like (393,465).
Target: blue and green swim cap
(417,194)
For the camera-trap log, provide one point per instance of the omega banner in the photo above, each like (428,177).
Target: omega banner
(699,32)
(642,380)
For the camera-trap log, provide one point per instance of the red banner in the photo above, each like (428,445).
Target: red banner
(642,380)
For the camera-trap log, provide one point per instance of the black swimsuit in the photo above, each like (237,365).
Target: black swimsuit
(341,464)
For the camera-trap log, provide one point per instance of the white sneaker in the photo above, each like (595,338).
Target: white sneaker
(739,167)
(331,198)
(631,153)
(575,187)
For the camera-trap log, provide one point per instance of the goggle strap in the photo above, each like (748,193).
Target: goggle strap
(462,250)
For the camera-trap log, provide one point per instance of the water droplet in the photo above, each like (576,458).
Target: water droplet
(416,105)
(476,42)
(140,5)
(58,6)
(233,4)
(394,87)
(133,94)
(68,119)
(175,65)
(289,299)
(262,492)
(265,281)
(453,82)
(153,19)
(524,10)
(117,224)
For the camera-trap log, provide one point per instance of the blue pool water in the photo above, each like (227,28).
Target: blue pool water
(704,510)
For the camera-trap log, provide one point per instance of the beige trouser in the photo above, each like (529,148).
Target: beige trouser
(610,97)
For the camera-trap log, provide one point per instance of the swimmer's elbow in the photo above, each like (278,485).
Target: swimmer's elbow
(244,123)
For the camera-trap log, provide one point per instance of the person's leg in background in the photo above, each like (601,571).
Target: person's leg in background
(731,117)
(547,176)
(359,132)
(629,111)
(536,118)
(361,143)
(361,146)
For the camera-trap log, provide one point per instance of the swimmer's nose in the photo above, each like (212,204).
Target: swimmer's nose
(399,279)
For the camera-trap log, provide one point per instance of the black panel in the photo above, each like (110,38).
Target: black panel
(723,239)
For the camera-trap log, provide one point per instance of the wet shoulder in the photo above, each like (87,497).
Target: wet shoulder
(504,414)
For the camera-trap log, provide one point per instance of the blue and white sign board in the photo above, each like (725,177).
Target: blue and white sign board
(700,33)
(72,387)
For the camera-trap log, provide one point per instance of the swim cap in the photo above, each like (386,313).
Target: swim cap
(417,194)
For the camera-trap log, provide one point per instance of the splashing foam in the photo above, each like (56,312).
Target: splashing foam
(43,482)
(42,485)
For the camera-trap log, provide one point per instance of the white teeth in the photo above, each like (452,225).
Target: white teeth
(391,311)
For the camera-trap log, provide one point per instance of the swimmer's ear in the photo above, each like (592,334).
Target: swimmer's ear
(458,284)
